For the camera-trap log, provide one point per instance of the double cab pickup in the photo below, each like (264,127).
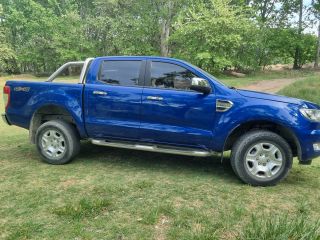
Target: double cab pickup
(165,105)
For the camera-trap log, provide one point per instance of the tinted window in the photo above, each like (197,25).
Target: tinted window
(124,73)
(167,75)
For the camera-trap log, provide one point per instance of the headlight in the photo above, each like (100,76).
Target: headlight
(311,114)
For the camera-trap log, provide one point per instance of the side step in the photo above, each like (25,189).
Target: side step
(155,148)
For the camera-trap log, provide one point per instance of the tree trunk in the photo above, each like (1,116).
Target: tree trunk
(316,61)
(296,63)
(165,26)
(297,55)
(164,38)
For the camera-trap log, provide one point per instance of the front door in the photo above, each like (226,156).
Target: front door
(173,114)
(113,100)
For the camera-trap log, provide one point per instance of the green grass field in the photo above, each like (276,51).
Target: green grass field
(266,75)
(307,89)
(108,193)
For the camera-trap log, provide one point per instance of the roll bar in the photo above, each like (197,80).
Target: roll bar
(85,65)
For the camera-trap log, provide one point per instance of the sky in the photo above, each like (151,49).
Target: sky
(311,29)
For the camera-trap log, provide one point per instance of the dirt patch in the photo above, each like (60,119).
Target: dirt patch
(70,182)
(271,86)
(161,228)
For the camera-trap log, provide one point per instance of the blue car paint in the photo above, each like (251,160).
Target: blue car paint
(115,115)
(41,94)
(184,118)
(181,118)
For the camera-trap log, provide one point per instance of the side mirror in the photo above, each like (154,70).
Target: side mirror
(200,85)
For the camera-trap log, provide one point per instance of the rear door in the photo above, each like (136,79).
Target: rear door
(173,114)
(113,99)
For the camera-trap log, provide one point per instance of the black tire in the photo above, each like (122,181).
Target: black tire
(70,142)
(248,142)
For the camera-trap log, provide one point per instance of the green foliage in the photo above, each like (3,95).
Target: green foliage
(7,59)
(280,45)
(212,35)
(7,55)
(39,35)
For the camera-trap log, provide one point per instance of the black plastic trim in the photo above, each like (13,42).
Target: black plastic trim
(5,119)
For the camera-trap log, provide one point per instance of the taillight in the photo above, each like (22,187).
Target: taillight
(6,96)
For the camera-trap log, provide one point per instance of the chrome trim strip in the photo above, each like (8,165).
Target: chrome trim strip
(154,148)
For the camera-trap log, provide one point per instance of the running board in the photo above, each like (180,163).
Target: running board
(155,148)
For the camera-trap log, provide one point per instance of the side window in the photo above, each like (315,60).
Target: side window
(167,75)
(124,73)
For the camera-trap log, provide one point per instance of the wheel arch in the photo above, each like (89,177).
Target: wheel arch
(49,112)
(275,127)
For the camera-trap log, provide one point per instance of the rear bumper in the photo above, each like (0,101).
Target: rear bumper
(5,119)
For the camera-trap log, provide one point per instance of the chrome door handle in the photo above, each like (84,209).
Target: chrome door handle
(155,98)
(100,93)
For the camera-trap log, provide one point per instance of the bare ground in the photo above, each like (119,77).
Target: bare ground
(161,228)
(271,86)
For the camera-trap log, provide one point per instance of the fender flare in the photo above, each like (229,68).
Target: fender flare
(283,127)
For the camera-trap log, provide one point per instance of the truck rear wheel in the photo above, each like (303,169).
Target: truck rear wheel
(261,158)
(57,142)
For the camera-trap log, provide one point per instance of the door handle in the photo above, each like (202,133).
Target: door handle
(100,93)
(155,98)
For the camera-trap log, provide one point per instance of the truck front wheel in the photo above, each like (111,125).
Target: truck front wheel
(261,158)
(57,142)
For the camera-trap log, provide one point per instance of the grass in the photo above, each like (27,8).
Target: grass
(84,208)
(307,89)
(281,227)
(265,75)
(108,193)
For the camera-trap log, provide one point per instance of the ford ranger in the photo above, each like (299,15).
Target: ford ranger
(165,105)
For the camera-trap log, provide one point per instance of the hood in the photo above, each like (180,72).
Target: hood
(277,98)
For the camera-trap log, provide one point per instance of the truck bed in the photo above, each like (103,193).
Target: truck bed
(26,97)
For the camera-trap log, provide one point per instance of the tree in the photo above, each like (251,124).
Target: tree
(265,10)
(8,61)
(297,55)
(213,35)
(39,35)
(166,22)
(316,11)
(316,61)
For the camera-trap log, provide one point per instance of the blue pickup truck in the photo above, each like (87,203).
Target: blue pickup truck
(165,105)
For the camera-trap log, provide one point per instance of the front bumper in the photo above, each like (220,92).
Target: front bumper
(5,119)
(307,141)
